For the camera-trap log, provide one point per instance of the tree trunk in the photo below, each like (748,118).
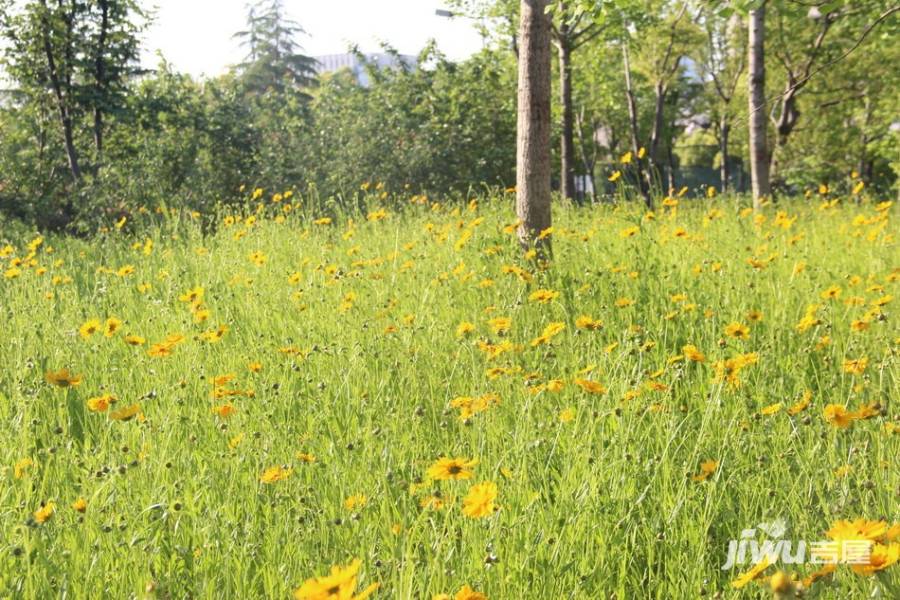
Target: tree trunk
(100,79)
(759,160)
(659,111)
(588,161)
(784,126)
(670,176)
(633,123)
(533,127)
(62,96)
(724,168)
(567,144)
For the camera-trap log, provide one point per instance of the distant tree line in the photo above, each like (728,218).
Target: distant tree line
(86,134)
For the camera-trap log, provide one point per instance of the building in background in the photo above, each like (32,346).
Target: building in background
(330,63)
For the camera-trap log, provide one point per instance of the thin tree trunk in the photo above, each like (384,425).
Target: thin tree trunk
(759,160)
(864,169)
(588,162)
(658,124)
(100,80)
(784,126)
(62,105)
(670,177)
(633,122)
(567,145)
(724,168)
(533,127)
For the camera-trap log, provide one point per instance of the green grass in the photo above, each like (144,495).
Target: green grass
(597,507)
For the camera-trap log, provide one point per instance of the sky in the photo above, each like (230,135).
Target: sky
(195,35)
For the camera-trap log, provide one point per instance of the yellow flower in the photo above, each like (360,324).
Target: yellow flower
(586,322)
(831,293)
(859,325)
(772,409)
(20,469)
(451,468)
(837,415)
(112,326)
(801,405)
(79,505)
(432,502)
(860,529)
(550,331)
(339,585)
(89,328)
(753,573)
(881,557)
(782,584)
(615,176)
(480,501)
(882,301)
(500,325)
(44,513)
(274,474)
(356,501)
(305,457)
(464,329)
(192,296)
(555,385)
(101,403)
(692,353)
(135,340)
(707,468)
(543,296)
(224,410)
(567,415)
(591,387)
(467,593)
(629,231)
(624,302)
(626,158)
(819,574)
(213,336)
(62,378)
(126,414)
(856,366)
(737,331)
(843,471)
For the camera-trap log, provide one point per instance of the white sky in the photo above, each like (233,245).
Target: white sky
(195,35)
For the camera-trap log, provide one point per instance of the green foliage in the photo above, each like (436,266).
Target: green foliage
(274,59)
(440,129)
(93,136)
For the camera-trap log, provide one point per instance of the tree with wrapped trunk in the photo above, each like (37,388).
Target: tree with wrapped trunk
(533,127)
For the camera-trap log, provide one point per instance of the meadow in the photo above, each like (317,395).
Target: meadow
(298,401)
